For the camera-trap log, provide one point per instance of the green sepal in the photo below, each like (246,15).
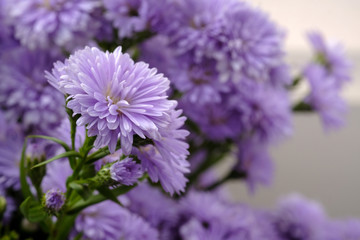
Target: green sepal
(82,189)
(106,192)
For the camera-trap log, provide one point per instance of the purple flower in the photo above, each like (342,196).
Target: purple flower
(168,172)
(166,160)
(207,216)
(126,171)
(254,161)
(24,91)
(132,16)
(54,200)
(158,209)
(239,38)
(107,220)
(115,97)
(344,230)
(217,121)
(299,218)
(128,16)
(324,97)
(57,173)
(42,24)
(11,142)
(264,111)
(332,57)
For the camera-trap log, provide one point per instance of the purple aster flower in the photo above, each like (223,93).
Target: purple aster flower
(299,218)
(162,60)
(217,121)
(332,57)
(128,16)
(42,24)
(166,160)
(57,173)
(108,159)
(264,111)
(6,32)
(168,172)
(250,43)
(126,171)
(158,209)
(11,142)
(239,38)
(107,220)
(255,162)
(24,91)
(54,200)
(347,229)
(207,215)
(324,97)
(115,97)
(132,16)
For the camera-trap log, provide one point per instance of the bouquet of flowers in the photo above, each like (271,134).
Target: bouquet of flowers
(114,114)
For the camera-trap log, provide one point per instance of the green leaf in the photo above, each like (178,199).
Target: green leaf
(63,144)
(32,210)
(106,192)
(62,155)
(24,184)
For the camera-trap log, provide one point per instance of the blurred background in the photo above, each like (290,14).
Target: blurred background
(324,166)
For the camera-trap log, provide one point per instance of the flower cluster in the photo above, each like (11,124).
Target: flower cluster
(103,101)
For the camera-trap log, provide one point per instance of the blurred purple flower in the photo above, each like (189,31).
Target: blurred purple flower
(64,23)
(57,173)
(207,216)
(299,218)
(24,91)
(332,57)
(324,97)
(239,38)
(11,142)
(107,220)
(254,161)
(160,211)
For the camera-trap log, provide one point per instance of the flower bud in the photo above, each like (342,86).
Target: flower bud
(53,201)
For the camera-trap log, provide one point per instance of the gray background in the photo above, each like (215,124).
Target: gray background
(322,166)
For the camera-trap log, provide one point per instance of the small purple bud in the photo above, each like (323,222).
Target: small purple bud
(126,171)
(54,200)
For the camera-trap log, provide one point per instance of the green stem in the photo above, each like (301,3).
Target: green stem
(302,107)
(231,175)
(215,153)
(82,204)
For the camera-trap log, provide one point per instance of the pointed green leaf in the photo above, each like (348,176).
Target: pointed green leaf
(62,155)
(62,143)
